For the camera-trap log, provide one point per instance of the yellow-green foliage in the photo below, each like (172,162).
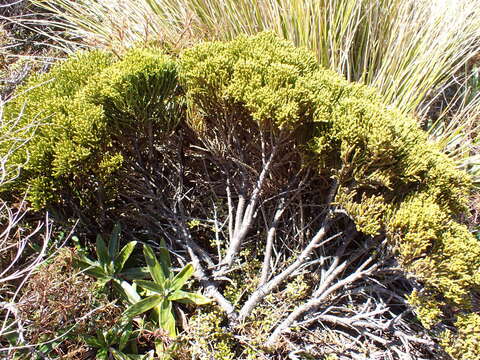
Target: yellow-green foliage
(261,75)
(466,345)
(391,180)
(87,108)
(437,249)
(368,212)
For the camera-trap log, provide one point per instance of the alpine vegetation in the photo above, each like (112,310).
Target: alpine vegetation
(310,212)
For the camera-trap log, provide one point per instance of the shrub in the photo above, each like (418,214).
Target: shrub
(287,166)
(389,178)
(364,40)
(88,104)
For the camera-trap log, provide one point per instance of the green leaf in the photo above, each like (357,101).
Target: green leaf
(114,244)
(166,319)
(153,265)
(111,336)
(125,337)
(189,298)
(134,273)
(97,272)
(117,355)
(127,290)
(102,354)
(101,338)
(103,281)
(150,285)
(83,262)
(122,258)
(92,341)
(102,252)
(89,267)
(165,261)
(143,306)
(181,278)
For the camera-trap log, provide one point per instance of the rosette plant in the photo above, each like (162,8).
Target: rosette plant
(108,268)
(165,289)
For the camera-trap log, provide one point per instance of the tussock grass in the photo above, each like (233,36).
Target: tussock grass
(456,130)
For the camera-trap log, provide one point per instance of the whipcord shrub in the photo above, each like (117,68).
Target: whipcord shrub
(248,156)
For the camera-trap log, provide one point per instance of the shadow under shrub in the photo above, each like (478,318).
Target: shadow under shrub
(248,152)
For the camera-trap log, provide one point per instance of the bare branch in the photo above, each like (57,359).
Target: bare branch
(315,242)
(211,289)
(319,297)
(244,216)
(271,285)
(270,237)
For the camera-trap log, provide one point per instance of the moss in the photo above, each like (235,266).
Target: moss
(208,338)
